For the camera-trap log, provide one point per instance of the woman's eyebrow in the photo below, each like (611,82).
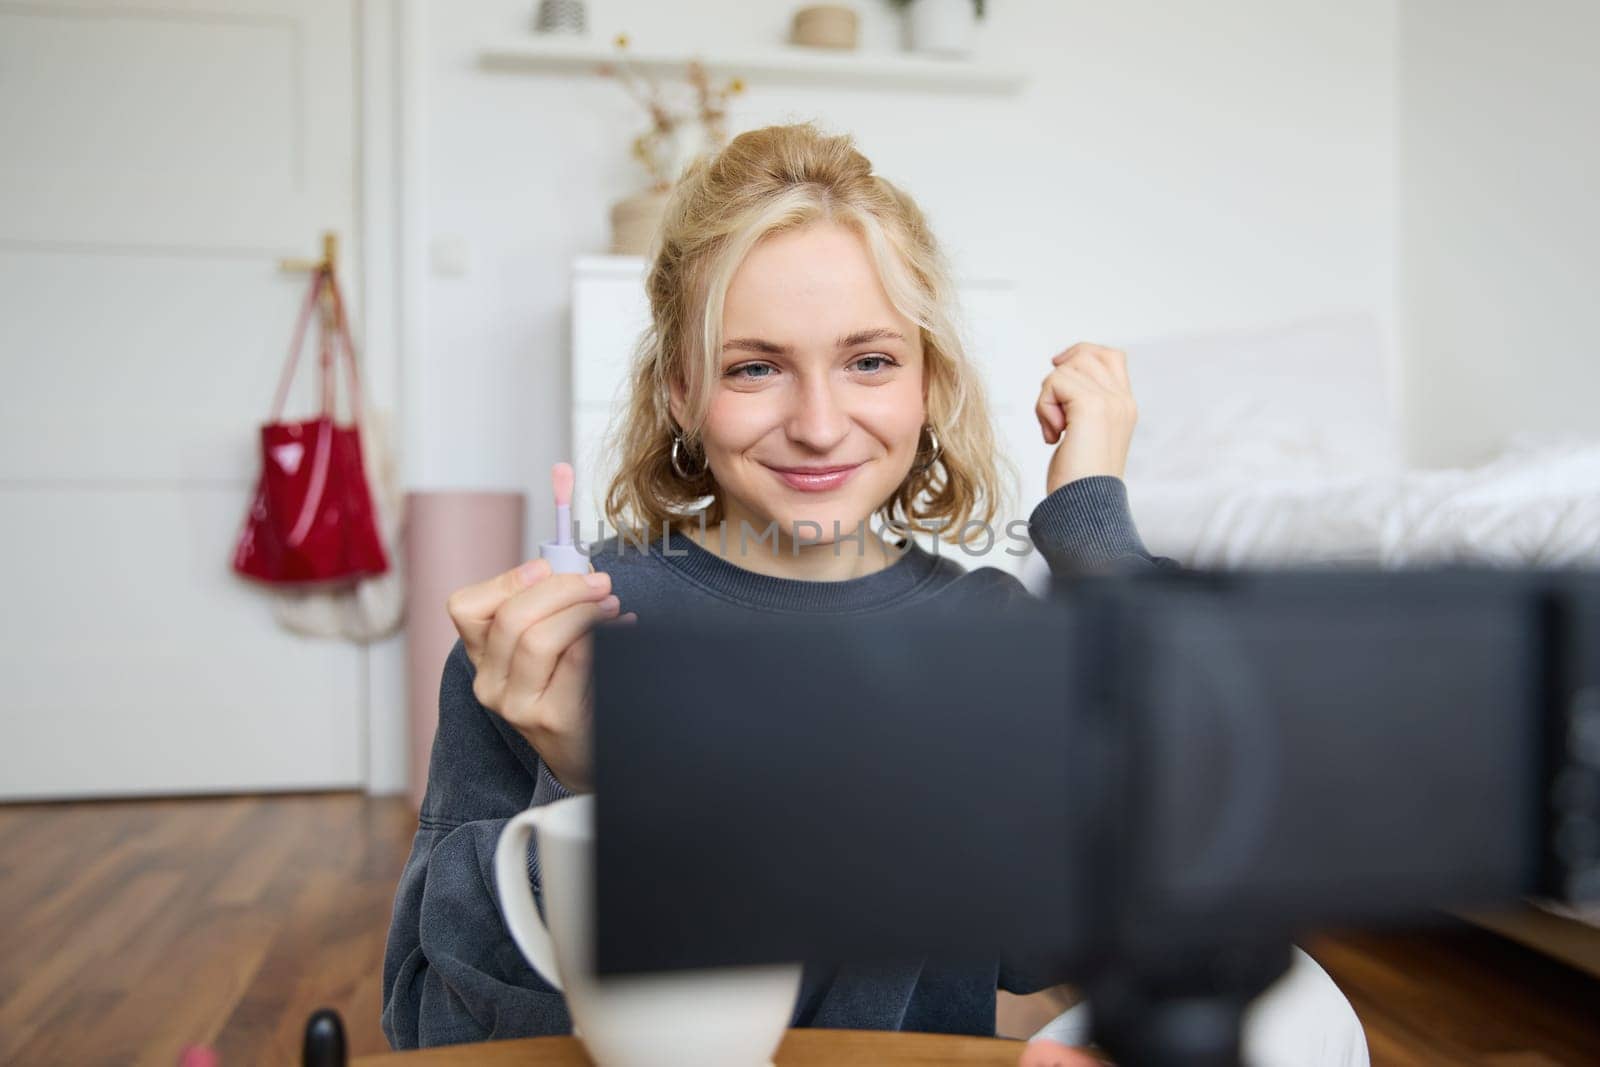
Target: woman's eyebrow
(860,337)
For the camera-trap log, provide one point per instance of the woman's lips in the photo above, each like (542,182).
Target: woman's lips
(815,480)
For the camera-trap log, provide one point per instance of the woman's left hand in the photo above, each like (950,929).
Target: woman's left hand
(1086,404)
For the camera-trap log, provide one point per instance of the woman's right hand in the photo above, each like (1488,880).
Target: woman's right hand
(527,633)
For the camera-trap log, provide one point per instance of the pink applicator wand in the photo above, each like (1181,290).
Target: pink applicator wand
(564,556)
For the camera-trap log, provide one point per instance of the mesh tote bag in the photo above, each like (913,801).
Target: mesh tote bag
(373,607)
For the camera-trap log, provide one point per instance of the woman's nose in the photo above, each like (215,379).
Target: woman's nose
(817,419)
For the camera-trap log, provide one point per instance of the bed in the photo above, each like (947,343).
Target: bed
(1284,447)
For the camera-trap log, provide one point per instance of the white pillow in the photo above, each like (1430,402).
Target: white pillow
(1310,399)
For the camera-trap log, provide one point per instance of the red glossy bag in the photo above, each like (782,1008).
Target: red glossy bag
(311,520)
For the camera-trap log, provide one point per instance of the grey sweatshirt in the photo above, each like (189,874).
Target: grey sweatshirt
(451,972)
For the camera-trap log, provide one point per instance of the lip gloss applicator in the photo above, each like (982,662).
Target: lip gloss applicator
(564,556)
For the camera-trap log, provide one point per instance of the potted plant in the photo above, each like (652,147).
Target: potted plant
(942,27)
(676,135)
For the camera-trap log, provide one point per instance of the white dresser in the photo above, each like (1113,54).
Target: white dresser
(609,312)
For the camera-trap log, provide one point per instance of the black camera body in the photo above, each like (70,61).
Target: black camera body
(1152,781)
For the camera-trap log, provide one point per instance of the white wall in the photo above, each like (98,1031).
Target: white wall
(1163,171)
(1500,221)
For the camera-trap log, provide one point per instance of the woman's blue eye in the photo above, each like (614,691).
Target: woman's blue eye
(874,364)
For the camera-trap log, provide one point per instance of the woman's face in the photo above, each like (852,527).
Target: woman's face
(817,411)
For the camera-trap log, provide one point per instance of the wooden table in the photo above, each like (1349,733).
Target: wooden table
(800,1048)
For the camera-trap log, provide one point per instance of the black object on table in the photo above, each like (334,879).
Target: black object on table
(1152,782)
(325,1044)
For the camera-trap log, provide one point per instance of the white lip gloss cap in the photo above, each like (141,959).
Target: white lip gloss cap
(564,559)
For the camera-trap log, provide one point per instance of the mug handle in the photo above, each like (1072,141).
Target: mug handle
(516,896)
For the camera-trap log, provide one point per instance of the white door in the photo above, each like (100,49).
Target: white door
(157,158)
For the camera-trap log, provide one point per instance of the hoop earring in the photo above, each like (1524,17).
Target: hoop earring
(677,463)
(933,457)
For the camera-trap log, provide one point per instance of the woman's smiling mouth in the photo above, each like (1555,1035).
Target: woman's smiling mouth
(815,479)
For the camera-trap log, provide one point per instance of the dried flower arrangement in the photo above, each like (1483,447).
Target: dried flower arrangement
(657,148)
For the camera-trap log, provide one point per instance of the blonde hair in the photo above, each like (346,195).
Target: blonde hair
(769,181)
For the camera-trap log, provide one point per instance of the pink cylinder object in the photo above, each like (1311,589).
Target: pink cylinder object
(452,539)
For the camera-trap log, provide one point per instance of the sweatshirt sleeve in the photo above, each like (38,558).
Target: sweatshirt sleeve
(451,972)
(546,789)
(1086,527)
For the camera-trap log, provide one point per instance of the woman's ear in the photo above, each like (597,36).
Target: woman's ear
(675,401)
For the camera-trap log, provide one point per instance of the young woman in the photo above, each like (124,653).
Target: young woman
(801,394)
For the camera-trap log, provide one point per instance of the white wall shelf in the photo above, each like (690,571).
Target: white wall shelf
(772,66)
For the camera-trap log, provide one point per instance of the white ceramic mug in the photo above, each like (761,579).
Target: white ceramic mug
(723,1017)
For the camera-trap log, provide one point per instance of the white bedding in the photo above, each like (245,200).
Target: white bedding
(1537,504)
(1281,446)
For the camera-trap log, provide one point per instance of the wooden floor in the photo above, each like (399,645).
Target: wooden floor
(131,929)
(1463,995)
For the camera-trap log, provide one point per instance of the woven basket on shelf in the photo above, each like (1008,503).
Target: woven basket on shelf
(825,26)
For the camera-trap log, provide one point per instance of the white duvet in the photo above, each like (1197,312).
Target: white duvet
(1537,504)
